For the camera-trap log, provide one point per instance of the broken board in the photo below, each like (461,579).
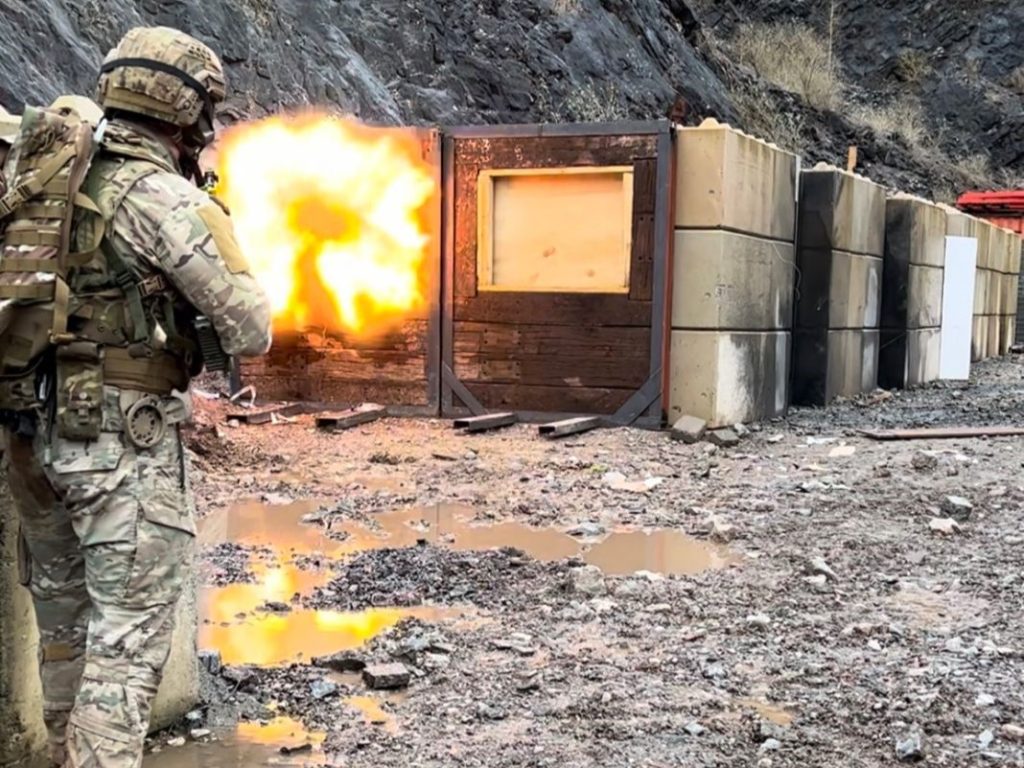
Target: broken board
(354,417)
(567,427)
(939,433)
(483,423)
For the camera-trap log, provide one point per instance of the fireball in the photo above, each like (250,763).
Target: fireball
(332,217)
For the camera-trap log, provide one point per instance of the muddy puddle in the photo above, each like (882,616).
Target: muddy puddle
(249,744)
(262,622)
(669,552)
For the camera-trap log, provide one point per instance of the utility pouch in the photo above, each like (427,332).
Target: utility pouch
(24,560)
(79,390)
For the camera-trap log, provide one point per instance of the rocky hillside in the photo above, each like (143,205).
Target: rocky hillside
(932,93)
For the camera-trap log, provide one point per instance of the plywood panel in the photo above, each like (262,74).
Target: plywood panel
(958,307)
(566,229)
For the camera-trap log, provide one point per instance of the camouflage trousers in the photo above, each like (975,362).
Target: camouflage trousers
(109,532)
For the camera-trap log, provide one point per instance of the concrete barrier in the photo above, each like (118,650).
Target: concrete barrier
(911,317)
(733,275)
(840,244)
(22,734)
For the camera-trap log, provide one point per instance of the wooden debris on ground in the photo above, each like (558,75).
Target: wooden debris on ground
(941,433)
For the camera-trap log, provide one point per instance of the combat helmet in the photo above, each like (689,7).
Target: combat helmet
(165,75)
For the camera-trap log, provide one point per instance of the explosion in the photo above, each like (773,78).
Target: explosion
(332,217)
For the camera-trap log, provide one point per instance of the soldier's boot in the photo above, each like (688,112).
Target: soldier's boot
(135,569)
(54,571)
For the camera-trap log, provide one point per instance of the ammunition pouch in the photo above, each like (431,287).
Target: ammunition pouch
(79,390)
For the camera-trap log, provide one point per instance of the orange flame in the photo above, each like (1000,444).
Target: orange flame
(332,217)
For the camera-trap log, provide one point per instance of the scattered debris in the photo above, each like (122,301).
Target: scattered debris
(689,429)
(924,461)
(198,734)
(386,677)
(910,749)
(944,525)
(941,433)
(343,661)
(587,530)
(588,580)
(249,390)
(694,728)
(842,452)
(299,749)
(957,507)
(1012,732)
(723,438)
(818,565)
(569,426)
(985,739)
(474,424)
(354,417)
(985,700)
(321,689)
(177,741)
(618,482)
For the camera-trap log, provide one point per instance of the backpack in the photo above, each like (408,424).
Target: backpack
(44,171)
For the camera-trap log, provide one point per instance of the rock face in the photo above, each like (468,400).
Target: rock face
(513,61)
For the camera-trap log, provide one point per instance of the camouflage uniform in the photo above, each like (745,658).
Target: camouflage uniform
(109,526)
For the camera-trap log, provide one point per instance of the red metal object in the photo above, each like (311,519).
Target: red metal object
(1004,209)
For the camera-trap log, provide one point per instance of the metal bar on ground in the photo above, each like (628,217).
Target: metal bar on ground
(569,426)
(485,422)
(267,415)
(940,433)
(353,417)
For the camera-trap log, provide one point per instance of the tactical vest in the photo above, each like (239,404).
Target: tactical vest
(98,321)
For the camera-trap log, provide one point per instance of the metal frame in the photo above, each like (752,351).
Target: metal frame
(645,406)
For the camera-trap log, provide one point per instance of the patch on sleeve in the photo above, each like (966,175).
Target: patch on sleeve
(217,221)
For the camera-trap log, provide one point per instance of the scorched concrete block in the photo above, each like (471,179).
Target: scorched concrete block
(838,290)
(924,297)
(729,377)
(723,280)
(908,358)
(841,211)
(979,338)
(992,344)
(1007,334)
(726,179)
(22,734)
(915,231)
(833,363)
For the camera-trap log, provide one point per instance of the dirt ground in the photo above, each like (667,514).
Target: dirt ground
(806,598)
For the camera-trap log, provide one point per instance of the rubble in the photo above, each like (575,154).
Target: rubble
(689,429)
(723,438)
(385,677)
(957,507)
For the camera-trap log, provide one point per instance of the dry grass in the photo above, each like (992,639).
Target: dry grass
(566,7)
(912,67)
(794,57)
(595,104)
(903,117)
(760,116)
(1015,80)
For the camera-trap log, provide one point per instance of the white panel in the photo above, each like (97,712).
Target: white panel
(958,307)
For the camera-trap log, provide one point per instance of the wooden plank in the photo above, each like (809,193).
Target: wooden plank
(565,427)
(550,399)
(265,416)
(353,417)
(594,310)
(941,433)
(473,424)
(457,388)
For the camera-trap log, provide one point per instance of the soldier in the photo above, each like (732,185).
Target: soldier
(107,516)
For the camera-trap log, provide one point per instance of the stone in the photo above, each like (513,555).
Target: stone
(957,507)
(177,741)
(1012,732)
(819,582)
(321,689)
(985,739)
(197,734)
(588,580)
(240,676)
(759,620)
(385,677)
(910,749)
(924,461)
(985,700)
(944,525)
(770,745)
(587,530)
(211,661)
(694,728)
(714,671)
(343,661)
(723,438)
(818,565)
(689,429)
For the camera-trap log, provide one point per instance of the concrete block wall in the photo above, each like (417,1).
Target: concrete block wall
(996,291)
(1008,285)
(840,245)
(733,276)
(912,276)
(22,734)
